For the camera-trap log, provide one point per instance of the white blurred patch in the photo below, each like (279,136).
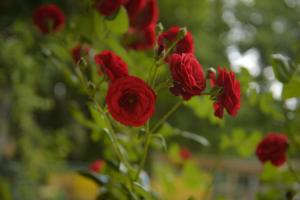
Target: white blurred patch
(248,60)
(269,73)
(291,103)
(254,86)
(291,3)
(276,89)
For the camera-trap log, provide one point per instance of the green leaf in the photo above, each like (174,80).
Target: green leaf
(283,67)
(195,137)
(120,24)
(84,121)
(162,140)
(141,190)
(174,152)
(202,107)
(291,89)
(192,175)
(238,137)
(99,26)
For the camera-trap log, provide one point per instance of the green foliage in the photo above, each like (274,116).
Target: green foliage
(243,143)
(283,67)
(291,89)
(120,24)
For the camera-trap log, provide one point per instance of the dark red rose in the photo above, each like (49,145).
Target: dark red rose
(111,64)
(108,7)
(273,148)
(130,101)
(185,45)
(49,18)
(79,51)
(230,95)
(142,13)
(187,74)
(185,153)
(96,166)
(140,39)
(133,7)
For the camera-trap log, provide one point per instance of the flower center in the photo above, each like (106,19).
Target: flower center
(128,101)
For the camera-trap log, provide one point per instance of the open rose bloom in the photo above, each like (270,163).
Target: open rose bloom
(49,18)
(273,148)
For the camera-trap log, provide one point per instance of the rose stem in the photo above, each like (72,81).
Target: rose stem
(166,116)
(148,135)
(146,149)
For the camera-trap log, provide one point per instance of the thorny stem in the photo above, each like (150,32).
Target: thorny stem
(115,143)
(149,132)
(112,136)
(151,81)
(158,62)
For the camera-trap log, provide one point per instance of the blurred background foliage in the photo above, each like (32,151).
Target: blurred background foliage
(42,131)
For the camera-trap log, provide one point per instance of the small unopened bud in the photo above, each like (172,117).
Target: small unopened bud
(91,88)
(159,28)
(182,33)
(82,63)
(210,73)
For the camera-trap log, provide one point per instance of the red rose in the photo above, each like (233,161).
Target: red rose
(142,13)
(185,153)
(96,166)
(107,7)
(273,148)
(79,51)
(48,18)
(185,45)
(111,64)
(133,7)
(130,101)
(140,39)
(188,76)
(229,98)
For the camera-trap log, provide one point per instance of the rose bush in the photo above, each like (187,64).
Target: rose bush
(123,105)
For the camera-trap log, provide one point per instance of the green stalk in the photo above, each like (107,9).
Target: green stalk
(166,116)
(146,149)
(114,139)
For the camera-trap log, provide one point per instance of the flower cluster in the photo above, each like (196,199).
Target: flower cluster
(142,14)
(130,100)
(188,76)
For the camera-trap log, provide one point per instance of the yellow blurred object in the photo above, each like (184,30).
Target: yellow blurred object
(71,185)
(180,190)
